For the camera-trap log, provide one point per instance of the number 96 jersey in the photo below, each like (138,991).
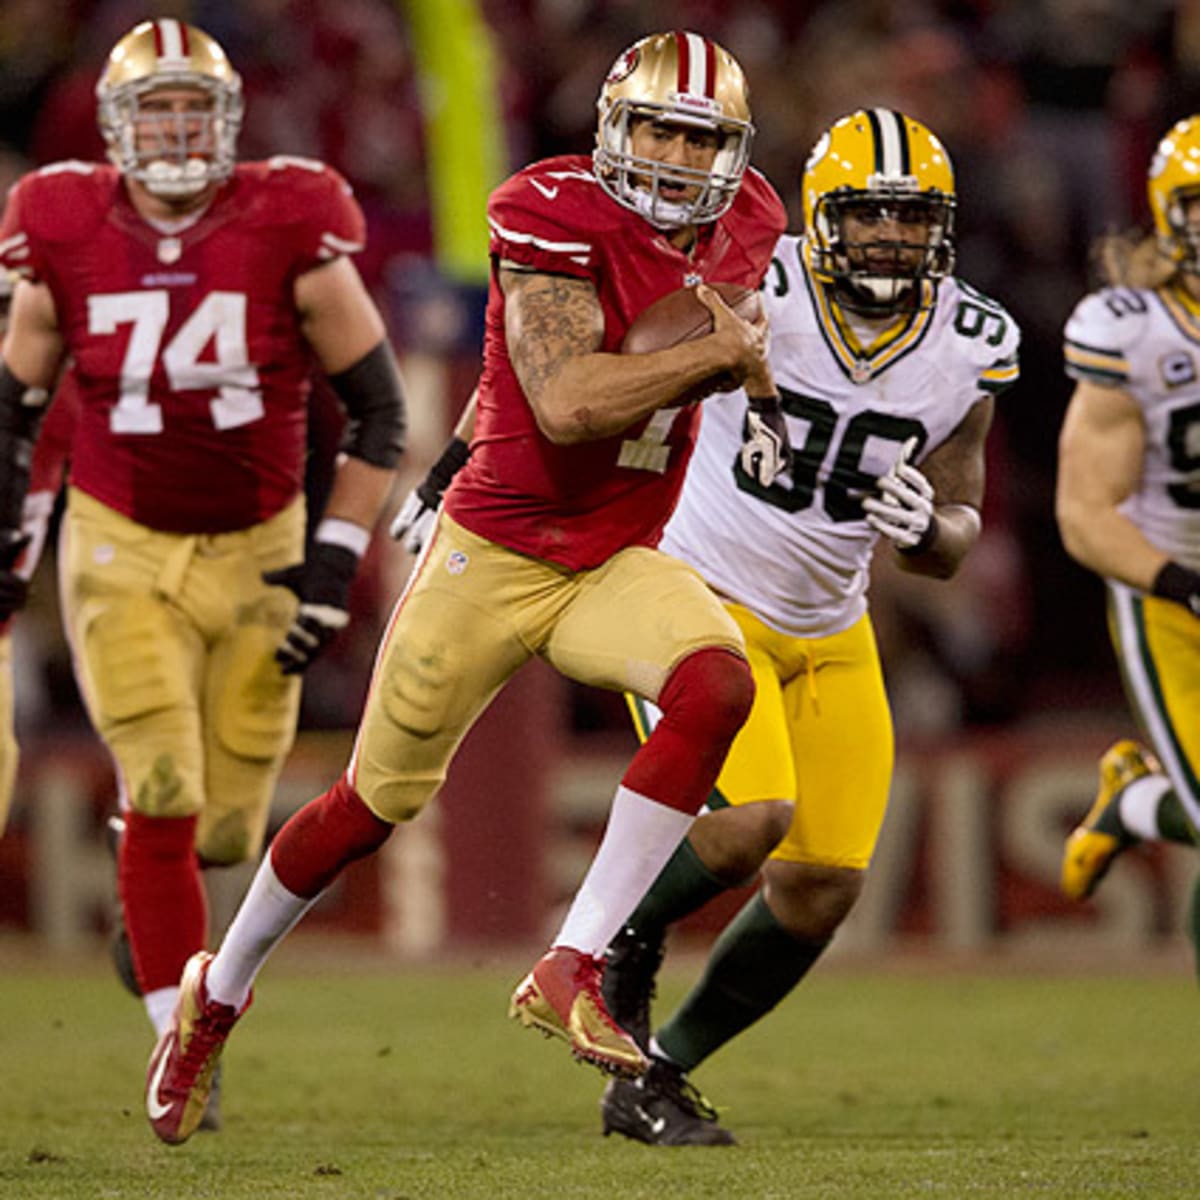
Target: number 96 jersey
(798,553)
(192,368)
(1147,343)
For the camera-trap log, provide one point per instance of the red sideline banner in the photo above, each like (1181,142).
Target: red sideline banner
(968,861)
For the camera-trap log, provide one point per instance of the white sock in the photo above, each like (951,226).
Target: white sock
(263,920)
(1139,806)
(641,836)
(160,1007)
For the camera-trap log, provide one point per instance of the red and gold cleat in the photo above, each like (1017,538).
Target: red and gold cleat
(561,997)
(180,1075)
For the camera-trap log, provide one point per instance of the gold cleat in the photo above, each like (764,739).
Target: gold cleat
(1100,836)
(561,998)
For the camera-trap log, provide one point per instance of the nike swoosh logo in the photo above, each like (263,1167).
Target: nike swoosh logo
(655,1124)
(548,192)
(154,1106)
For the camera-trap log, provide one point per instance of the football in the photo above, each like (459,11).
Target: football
(680,316)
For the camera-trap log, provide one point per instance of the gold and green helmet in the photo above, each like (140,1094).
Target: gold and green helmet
(878,164)
(1173,179)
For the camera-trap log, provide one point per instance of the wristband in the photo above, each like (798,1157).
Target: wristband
(452,460)
(1179,583)
(764,404)
(338,532)
(925,541)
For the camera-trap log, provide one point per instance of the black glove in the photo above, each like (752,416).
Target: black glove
(14,590)
(1181,584)
(414,522)
(766,452)
(322,582)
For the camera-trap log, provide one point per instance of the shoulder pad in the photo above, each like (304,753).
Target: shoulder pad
(63,202)
(988,337)
(304,192)
(1100,331)
(551,215)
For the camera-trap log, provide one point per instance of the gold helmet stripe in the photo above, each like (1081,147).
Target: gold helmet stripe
(892,156)
(171,45)
(697,65)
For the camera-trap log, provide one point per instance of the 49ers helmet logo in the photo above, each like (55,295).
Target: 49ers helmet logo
(625,65)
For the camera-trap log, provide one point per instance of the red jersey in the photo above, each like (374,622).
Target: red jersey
(579,504)
(192,370)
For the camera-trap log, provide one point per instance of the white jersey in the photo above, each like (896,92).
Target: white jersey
(1148,344)
(798,553)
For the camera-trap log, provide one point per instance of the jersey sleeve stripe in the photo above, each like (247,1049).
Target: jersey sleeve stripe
(579,252)
(16,246)
(1001,374)
(332,246)
(1092,362)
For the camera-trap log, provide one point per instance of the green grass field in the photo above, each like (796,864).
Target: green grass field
(410,1084)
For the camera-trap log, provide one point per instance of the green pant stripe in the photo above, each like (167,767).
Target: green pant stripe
(1143,686)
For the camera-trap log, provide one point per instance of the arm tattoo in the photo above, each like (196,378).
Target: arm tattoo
(548,319)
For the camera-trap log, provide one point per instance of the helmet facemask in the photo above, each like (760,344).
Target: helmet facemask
(172,154)
(878,274)
(1182,245)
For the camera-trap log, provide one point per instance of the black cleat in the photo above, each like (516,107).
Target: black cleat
(631,963)
(118,942)
(662,1109)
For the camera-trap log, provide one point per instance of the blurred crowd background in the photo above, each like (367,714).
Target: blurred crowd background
(1050,110)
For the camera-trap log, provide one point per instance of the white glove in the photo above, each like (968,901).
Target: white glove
(414,522)
(902,509)
(766,452)
(418,514)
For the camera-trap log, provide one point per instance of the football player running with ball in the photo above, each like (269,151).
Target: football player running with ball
(191,294)
(887,367)
(1129,509)
(545,544)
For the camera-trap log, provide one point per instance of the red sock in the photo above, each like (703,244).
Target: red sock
(327,834)
(166,913)
(704,702)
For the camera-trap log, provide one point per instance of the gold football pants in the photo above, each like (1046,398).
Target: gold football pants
(173,638)
(474,612)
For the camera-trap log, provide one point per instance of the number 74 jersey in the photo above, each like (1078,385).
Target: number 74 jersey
(798,553)
(192,369)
